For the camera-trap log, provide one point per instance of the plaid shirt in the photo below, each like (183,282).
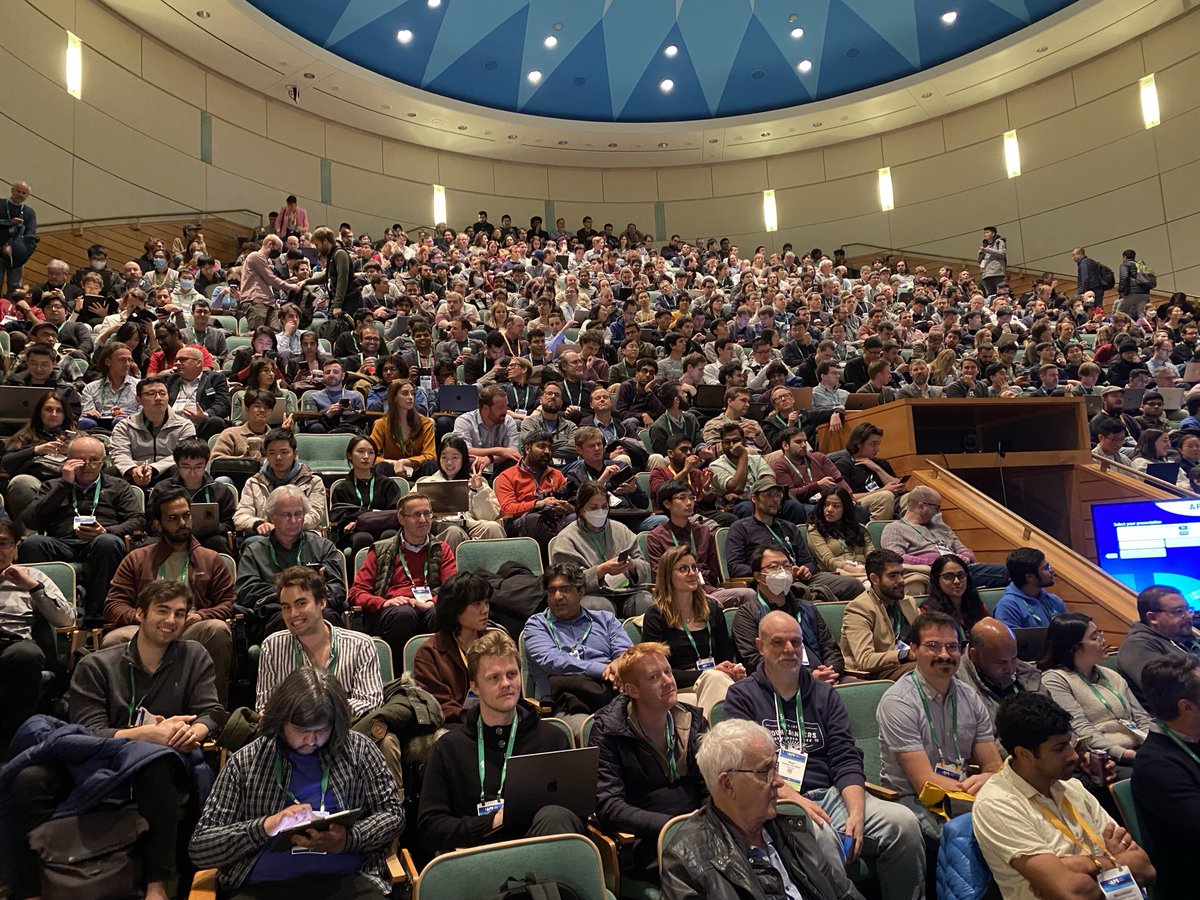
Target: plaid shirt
(230,835)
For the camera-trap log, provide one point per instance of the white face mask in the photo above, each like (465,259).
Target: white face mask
(779,582)
(596,517)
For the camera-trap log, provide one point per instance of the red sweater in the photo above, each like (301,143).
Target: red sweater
(362,592)
(517,491)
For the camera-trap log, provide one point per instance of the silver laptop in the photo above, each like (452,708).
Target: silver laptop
(16,402)
(206,520)
(1172,398)
(448,498)
(564,778)
(275,419)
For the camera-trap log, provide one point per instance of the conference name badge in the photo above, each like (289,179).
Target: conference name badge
(487,807)
(792,763)
(948,769)
(1118,883)
(707,663)
(422,592)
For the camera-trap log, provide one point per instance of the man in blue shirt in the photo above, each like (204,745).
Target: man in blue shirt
(571,649)
(1026,602)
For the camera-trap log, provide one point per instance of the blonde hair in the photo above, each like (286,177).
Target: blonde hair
(491,643)
(664,597)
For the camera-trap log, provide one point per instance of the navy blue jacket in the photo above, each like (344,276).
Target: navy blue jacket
(833,757)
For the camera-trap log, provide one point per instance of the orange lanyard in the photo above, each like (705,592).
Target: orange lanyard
(1098,845)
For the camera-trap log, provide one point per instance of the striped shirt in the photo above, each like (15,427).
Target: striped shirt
(357,668)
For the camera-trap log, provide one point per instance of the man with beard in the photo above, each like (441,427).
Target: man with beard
(548,418)
(529,493)
(177,556)
(638,404)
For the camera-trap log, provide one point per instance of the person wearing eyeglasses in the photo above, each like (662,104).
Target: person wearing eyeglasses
(1104,713)
(1163,630)
(142,444)
(84,515)
(992,667)
(932,725)
(920,537)
(199,395)
(739,845)
(806,716)
(1026,603)
(398,582)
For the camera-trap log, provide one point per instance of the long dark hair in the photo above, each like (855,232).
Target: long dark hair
(33,432)
(1146,445)
(972,608)
(393,413)
(254,375)
(846,529)
(459,592)
(1063,638)
(454,442)
(308,698)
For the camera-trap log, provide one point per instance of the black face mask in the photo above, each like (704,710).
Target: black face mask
(274,254)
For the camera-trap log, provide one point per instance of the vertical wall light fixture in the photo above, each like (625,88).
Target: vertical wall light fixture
(887,199)
(770,215)
(74,67)
(439,204)
(1149,93)
(1012,154)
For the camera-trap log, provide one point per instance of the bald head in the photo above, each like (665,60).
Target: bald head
(780,642)
(20,192)
(993,652)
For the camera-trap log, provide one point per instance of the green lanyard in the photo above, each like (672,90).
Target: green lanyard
(782,719)
(95,497)
(953,718)
(370,494)
(301,659)
(288,788)
(522,402)
(687,633)
(162,571)
(597,540)
(1121,700)
(670,729)
(675,540)
(1178,740)
(404,562)
(783,545)
(570,400)
(807,476)
(1029,609)
(554,632)
(299,550)
(512,739)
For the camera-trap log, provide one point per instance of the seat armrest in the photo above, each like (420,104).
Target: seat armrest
(738,582)
(204,885)
(878,790)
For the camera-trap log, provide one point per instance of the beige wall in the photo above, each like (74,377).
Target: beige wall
(1091,174)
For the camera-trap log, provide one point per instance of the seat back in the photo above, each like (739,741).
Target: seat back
(562,726)
(722,536)
(860,699)
(875,530)
(323,453)
(231,565)
(633,629)
(718,712)
(832,613)
(478,873)
(990,596)
(667,834)
(1122,794)
(585,730)
(383,653)
(411,647)
(488,555)
(643,544)
(61,574)
(528,688)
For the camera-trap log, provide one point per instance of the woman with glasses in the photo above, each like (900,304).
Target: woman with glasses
(305,370)
(693,626)
(952,592)
(837,540)
(36,452)
(1105,716)
(403,437)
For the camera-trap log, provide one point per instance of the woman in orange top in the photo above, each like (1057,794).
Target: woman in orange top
(403,436)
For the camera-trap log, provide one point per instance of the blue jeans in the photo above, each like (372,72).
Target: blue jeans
(988,574)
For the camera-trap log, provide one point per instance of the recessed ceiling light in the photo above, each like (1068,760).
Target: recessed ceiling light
(411,115)
(404,36)
(203,14)
(797,32)
(949,18)
(309,75)
(670,50)
(436,121)
(764,134)
(462,127)
(562,143)
(550,42)
(1043,48)
(434,4)
(793,17)
(666,85)
(805,66)
(662,144)
(385,106)
(817,124)
(512,137)
(612,145)
(534,77)
(712,140)
(334,88)
(927,95)
(557,26)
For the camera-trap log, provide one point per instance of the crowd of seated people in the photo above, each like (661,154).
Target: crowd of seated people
(618,403)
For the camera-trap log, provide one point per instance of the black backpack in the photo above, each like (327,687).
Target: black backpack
(530,888)
(1107,279)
